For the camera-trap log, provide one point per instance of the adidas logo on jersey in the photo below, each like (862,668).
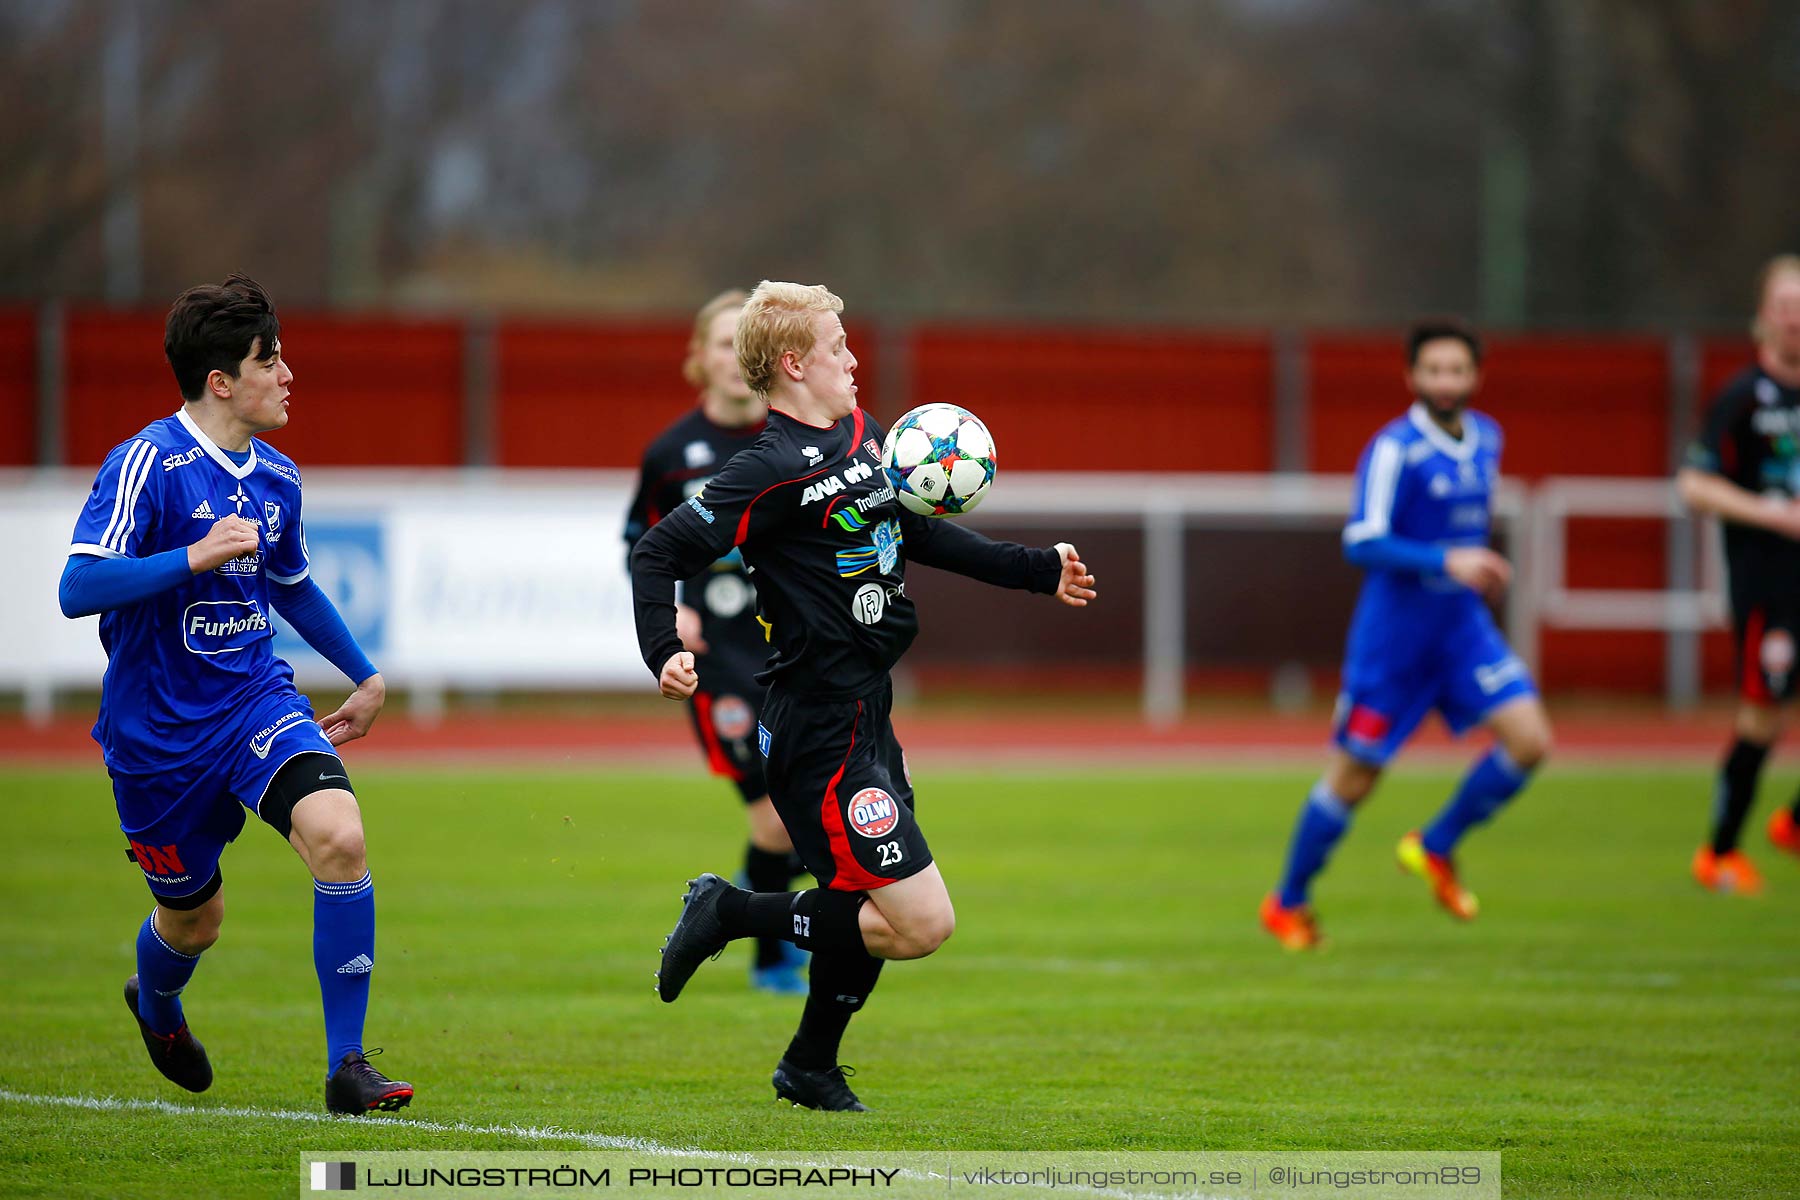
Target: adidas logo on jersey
(204,512)
(362,964)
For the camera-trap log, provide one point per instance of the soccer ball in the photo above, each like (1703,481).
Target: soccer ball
(940,459)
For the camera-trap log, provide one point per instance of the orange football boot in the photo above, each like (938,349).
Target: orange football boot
(1440,873)
(1726,872)
(1294,928)
(1784,831)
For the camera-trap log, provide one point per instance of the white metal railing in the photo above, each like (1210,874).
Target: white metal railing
(1162,507)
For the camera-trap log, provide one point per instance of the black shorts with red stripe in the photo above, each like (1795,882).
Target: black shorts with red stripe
(1764,635)
(838,777)
(725,715)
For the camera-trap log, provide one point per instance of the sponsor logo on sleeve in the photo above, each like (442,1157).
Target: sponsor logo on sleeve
(706,514)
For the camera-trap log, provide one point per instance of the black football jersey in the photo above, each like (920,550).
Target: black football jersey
(827,545)
(677,465)
(1752,437)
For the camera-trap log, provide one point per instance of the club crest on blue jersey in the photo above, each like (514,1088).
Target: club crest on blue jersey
(272,520)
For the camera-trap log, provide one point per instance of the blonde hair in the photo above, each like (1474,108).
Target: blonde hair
(692,368)
(777,319)
(1781,264)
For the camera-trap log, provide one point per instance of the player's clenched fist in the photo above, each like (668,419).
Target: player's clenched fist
(1478,568)
(229,538)
(678,677)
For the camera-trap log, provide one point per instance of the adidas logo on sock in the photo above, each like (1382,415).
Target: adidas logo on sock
(362,964)
(204,512)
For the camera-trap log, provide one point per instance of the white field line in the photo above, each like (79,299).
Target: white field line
(528,1133)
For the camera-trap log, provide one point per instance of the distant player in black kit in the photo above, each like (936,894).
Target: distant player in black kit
(715,614)
(827,546)
(1745,469)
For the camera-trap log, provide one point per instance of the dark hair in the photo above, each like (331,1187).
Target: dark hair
(213,327)
(1435,328)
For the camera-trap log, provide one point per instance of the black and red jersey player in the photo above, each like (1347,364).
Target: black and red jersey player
(1745,469)
(827,547)
(716,610)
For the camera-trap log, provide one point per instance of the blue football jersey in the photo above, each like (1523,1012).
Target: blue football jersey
(1416,482)
(183,666)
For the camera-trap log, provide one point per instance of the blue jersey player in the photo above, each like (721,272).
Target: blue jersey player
(1422,637)
(191,537)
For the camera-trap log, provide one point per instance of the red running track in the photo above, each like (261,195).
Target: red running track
(657,738)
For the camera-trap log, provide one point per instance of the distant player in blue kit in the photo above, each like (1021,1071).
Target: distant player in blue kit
(1421,637)
(191,537)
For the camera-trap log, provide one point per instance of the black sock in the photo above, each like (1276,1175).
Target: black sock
(767,871)
(841,983)
(757,914)
(1737,790)
(827,921)
(816,919)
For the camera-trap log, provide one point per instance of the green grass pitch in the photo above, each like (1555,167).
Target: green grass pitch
(1608,1027)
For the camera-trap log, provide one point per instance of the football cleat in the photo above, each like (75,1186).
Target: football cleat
(697,936)
(1784,831)
(179,1055)
(357,1088)
(1726,872)
(816,1089)
(1294,928)
(1440,873)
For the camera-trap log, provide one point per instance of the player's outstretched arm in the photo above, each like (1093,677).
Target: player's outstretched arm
(1703,491)
(948,546)
(310,611)
(94,584)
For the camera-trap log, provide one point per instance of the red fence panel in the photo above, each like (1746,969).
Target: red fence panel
(594,394)
(582,394)
(370,390)
(366,389)
(18,387)
(1087,400)
(115,380)
(1569,406)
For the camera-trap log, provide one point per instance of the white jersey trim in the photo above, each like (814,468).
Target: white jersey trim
(1461,451)
(286,579)
(213,452)
(90,548)
(134,470)
(1379,489)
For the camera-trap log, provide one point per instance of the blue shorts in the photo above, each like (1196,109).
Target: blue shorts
(179,819)
(1468,677)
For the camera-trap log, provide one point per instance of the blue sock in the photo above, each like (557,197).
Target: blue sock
(162,972)
(1488,785)
(344,956)
(1322,822)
